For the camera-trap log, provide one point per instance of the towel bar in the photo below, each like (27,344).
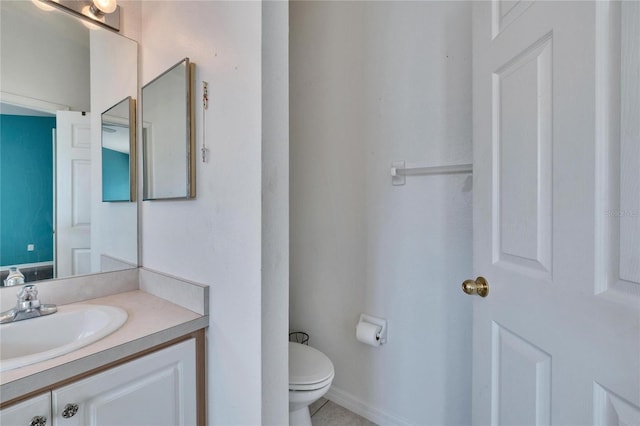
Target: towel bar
(399,170)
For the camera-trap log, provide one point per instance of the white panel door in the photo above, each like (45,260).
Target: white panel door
(556,212)
(155,390)
(73,193)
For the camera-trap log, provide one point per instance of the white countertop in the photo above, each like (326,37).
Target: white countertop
(152,321)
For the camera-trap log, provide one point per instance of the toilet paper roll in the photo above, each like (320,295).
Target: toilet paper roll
(368,333)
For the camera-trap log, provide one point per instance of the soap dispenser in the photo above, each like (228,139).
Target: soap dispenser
(15,277)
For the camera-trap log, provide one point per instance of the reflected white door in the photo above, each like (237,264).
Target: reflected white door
(73,193)
(556,213)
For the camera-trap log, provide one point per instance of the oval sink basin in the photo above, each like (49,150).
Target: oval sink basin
(72,327)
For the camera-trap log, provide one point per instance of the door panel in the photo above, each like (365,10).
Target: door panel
(521,380)
(73,193)
(611,410)
(80,187)
(556,213)
(629,262)
(618,151)
(522,165)
(504,12)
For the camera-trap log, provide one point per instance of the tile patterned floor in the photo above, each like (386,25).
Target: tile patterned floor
(327,413)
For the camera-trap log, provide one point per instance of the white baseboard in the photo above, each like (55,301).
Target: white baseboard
(27,265)
(363,409)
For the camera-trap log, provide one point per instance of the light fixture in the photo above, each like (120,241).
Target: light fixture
(103,12)
(43,6)
(100,7)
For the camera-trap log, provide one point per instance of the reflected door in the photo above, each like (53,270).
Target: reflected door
(73,193)
(556,213)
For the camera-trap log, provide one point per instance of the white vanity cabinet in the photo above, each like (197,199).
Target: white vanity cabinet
(162,387)
(34,411)
(156,389)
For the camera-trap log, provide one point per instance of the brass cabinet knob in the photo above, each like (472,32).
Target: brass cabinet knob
(480,287)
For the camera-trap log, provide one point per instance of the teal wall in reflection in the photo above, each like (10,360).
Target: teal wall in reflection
(115,175)
(26,189)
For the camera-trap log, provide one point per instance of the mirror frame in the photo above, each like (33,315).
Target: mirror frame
(190,135)
(133,159)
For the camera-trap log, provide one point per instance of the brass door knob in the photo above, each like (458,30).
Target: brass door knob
(480,287)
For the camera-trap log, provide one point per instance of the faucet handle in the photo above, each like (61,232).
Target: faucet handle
(28,297)
(28,292)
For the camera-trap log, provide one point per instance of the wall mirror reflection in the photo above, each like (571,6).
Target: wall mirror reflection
(55,72)
(119,152)
(168,135)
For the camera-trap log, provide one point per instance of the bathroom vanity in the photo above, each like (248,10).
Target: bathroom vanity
(157,388)
(150,371)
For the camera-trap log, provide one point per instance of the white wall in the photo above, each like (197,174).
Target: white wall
(130,19)
(275,212)
(35,41)
(216,239)
(372,83)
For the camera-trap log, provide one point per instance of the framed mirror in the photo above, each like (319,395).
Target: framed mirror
(56,77)
(119,152)
(168,135)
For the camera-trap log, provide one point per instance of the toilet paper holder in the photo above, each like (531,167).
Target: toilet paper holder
(382,323)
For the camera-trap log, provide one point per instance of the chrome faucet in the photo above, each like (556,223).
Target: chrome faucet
(28,306)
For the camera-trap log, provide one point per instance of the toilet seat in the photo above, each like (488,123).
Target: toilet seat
(309,369)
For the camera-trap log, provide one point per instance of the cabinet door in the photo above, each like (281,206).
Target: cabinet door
(154,390)
(29,412)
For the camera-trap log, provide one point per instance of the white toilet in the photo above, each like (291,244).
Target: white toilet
(310,376)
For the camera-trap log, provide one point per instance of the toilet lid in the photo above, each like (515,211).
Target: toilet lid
(308,366)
